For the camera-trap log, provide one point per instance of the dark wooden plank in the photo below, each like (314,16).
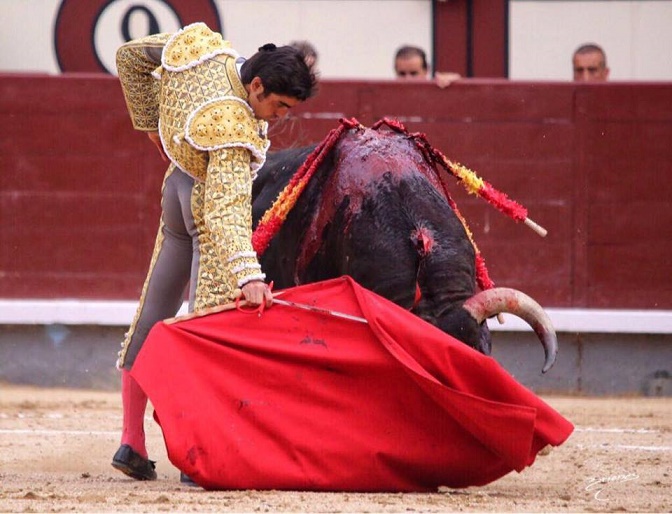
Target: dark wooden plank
(632,275)
(80,189)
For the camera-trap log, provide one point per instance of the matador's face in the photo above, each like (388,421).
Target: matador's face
(268,106)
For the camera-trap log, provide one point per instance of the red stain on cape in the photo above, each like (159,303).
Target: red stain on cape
(389,405)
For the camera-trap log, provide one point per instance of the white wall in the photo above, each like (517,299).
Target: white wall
(636,36)
(357,38)
(26,38)
(353,38)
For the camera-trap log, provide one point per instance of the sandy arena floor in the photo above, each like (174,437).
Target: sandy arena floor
(56,447)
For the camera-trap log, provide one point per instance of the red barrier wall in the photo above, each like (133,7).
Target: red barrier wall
(79,189)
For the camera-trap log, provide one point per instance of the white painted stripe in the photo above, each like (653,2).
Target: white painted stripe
(69,312)
(120,313)
(617,430)
(322,115)
(57,432)
(598,321)
(606,446)
(645,448)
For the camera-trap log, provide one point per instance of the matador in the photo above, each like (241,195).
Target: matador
(209,108)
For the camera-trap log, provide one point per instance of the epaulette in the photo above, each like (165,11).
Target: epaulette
(228,122)
(192,45)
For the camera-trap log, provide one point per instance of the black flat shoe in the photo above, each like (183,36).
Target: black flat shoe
(186,480)
(132,464)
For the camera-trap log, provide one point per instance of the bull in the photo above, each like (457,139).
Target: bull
(373,208)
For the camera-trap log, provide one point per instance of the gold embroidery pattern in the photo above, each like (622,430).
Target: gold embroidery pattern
(182,93)
(140,88)
(193,43)
(226,230)
(223,167)
(225,123)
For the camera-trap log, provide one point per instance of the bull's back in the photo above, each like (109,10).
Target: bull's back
(371,211)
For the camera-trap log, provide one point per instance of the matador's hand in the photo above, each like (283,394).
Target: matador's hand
(257,292)
(156,139)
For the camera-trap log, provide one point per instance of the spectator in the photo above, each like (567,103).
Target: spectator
(590,64)
(410,63)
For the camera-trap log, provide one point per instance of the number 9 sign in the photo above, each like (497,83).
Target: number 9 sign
(87,33)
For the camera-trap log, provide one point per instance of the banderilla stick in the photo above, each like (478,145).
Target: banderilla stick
(537,228)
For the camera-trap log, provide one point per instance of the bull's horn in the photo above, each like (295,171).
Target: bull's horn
(502,299)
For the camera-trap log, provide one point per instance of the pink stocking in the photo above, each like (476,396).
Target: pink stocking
(134,402)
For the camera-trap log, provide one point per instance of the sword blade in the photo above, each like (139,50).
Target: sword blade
(276,300)
(319,310)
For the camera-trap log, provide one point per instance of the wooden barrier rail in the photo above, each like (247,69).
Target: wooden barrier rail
(80,189)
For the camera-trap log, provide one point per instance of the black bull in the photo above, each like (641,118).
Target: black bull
(372,211)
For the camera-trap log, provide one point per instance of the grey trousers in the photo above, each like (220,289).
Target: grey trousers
(174,264)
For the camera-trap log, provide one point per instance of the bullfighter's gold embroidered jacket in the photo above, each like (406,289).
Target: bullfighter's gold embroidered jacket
(198,104)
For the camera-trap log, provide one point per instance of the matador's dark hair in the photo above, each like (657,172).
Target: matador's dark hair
(282,70)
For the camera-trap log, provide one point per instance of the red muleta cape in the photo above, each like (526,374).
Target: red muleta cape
(299,400)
